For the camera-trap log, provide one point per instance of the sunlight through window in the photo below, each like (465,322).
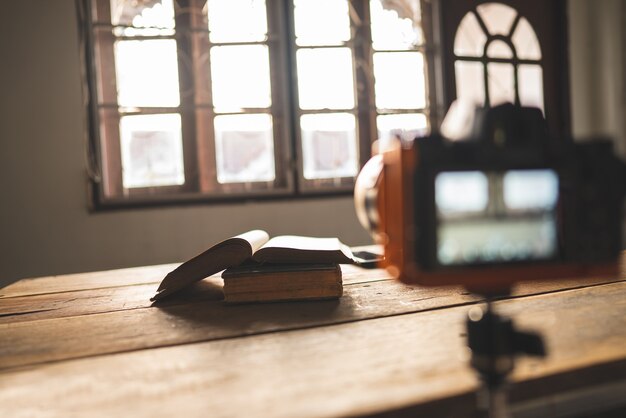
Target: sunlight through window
(325,78)
(237,20)
(241,77)
(147,73)
(321,22)
(494,42)
(329,145)
(245,148)
(260,97)
(152,153)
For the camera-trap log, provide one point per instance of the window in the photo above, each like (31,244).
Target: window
(509,50)
(230,99)
(197,99)
(498,58)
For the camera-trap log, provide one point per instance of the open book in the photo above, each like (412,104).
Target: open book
(256,246)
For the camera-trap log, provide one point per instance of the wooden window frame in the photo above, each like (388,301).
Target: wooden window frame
(197,114)
(549,21)
(199,156)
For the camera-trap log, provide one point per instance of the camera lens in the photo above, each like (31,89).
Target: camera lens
(366,194)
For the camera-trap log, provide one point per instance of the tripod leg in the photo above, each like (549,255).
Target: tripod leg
(492,401)
(489,338)
(494,343)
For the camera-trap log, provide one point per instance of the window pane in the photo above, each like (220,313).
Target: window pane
(399,80)
(470,38)
(152,151)
(501,83)
(470,82)
(237,20)
(240,77)
(395,26)
(499,49)
(531,85)
(321,22)
(145,18)
(498,17)
(405,126)
(325,78)
(244,148)
(526,42)
(329,145)
(147,73)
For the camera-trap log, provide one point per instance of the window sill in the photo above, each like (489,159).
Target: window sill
(100,203)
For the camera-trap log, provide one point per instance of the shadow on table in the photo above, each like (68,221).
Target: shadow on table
(202,305)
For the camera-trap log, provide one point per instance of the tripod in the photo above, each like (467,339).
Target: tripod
(495,342)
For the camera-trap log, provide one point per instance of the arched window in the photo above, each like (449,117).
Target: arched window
(497,57)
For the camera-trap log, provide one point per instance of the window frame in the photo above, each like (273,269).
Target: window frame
(198,186)
(364,110)
(106,187)
(105,154)
(549,21)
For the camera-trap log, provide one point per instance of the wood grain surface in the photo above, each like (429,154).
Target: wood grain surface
(92,344)
(112,320)
(352,368)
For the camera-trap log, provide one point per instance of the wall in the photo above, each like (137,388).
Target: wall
(46,228)
(44,223)
(597,32)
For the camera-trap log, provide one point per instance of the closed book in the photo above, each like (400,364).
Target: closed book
(282,282)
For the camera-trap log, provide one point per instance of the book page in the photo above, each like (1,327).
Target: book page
(305,243)
(299,249)
(256,238)
(230,252)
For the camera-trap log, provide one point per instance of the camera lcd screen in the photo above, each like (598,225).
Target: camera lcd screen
(496,217)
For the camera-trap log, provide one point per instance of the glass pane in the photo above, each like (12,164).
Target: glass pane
(405,126)
(240,77)
(470,82)
(329,145)
(501,83)
(499,49)
(321,22)
(244,147)
(531,85)
(399,80)
(143,18)
(325,78)
(498,17)
(470,38)
(526,42)
(152,150)
(396,26)
(237,20)
(147,73)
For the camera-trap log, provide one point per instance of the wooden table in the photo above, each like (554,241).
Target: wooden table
(92,345)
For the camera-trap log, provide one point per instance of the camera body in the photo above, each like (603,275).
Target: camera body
(502,204)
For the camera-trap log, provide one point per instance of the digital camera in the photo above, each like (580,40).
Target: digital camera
(493,200)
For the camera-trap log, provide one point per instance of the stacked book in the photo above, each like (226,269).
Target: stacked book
(278,282)
(260,269)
